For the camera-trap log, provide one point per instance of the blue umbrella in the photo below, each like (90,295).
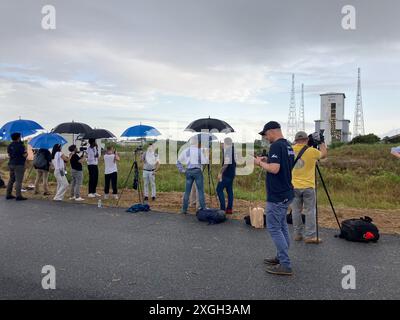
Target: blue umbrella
(141,131)
(47,141)
(24,127)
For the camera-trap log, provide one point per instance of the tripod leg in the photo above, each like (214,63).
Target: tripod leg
(209,183)
(329,198)
(316,207)
(125,184)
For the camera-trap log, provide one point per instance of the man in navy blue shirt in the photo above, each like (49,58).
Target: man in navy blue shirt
(280,193)
(226,176)
(16,165)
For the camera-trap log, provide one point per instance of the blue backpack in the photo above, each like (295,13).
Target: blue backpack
(138,207)
(212,216)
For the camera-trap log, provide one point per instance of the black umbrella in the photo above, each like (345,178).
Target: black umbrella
(72,127)
(209,124)
(98,134)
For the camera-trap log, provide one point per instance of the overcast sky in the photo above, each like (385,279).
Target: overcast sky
(114,64)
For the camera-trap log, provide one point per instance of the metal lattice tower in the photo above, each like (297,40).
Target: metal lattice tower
(358,128)
(301,125)
(292,121)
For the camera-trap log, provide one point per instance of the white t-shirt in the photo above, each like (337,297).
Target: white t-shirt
(92,153)
(58,162)
(110,164)
(150,159)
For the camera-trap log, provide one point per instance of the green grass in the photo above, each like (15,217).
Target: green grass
(357,176)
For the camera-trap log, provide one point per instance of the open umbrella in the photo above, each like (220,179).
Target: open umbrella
(209,124)
(140,131)
(72,128)
(47,141)
(24,127)
(98,134)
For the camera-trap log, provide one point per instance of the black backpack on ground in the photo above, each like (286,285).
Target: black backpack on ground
(212,216)
(289,218)
(359,230)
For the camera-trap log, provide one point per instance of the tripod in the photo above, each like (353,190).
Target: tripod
(136,183)
(211,183)
(317,169)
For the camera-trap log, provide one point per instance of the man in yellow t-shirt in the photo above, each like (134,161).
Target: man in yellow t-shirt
(303,180)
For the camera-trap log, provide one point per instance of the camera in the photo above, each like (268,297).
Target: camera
(316,138)
(138,149)
(83,149)
(263,154)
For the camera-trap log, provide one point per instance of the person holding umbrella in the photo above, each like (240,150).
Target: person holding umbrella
(280,194)
(16,165)
(41,162)
(59,160)
(42,159)
(193,158)
(226,176)
(93,167)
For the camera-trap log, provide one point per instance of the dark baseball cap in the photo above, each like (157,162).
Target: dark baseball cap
(301,135)
(270,125)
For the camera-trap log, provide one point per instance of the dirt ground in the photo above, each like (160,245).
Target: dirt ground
(388,221)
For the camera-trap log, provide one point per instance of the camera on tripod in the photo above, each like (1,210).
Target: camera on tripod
(316,138)
(138,149)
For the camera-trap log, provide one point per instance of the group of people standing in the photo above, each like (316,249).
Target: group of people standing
(191,162)
(45,161)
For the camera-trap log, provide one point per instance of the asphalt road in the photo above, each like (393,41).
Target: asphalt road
(101,253)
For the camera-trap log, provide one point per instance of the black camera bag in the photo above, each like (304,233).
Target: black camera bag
(359,230)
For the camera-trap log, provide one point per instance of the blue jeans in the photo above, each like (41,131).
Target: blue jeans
(226,183)
(194,175)
(278,229)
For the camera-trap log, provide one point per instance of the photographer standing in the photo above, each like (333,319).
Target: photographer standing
(226,176)
(304,184)
(93,167)
(193,158)
(151,165)
(111,172)
(16,165)
(279,167)
(76,162)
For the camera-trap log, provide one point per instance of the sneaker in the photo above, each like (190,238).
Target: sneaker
(183,212)
(279,270)
(153,198)
(313,240)
(228,211)
(106,196)
(57,200)
(298,237)
(79,199)
(91,195)
(116,197)
(21,198)
(271,261)
(10,197)
(146,198)
(72,198)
